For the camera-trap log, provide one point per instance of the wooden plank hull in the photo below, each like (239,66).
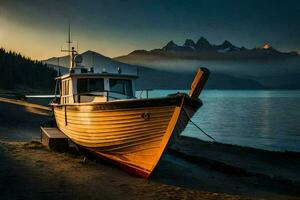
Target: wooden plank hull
(131,133)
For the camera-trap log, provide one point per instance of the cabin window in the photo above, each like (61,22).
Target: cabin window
(121,86)
(65,91)
(85,85)
(82,86)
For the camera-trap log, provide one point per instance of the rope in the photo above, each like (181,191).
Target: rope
(198,126)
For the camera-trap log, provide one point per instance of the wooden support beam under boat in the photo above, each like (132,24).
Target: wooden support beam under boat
(54,139)
(199,82)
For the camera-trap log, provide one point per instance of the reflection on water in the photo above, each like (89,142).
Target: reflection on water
(262,119)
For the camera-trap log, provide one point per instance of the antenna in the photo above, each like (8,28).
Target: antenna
(69,48)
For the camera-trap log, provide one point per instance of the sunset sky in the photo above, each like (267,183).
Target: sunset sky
(38,29)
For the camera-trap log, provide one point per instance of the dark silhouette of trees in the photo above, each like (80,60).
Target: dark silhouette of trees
(17,70)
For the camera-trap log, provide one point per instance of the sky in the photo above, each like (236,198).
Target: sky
(38,28)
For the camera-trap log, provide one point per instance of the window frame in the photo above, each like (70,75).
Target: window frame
(124,87)
(87,90)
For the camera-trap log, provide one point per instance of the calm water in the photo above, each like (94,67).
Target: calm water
(262,119)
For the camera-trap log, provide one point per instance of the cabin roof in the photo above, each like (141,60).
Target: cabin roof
(95,75)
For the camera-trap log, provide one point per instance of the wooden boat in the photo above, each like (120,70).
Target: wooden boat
(98,112)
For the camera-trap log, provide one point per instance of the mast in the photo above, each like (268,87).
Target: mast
(69,45)
(71,51)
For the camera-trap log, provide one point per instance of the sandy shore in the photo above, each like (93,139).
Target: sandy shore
(40,174)
(192,169)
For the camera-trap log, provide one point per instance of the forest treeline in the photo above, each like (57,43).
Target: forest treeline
(17,70)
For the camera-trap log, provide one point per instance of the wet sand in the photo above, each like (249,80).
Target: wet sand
(192,169)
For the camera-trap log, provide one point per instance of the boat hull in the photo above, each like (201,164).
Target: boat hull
(131,133)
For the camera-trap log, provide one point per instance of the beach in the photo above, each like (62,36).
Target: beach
(192,169)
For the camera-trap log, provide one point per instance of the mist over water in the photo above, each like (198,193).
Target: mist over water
(244,68)
(283,73)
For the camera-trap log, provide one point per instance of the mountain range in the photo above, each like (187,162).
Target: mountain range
(203,49)
(265,66)
(151,78)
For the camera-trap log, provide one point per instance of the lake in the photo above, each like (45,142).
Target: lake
(263,119)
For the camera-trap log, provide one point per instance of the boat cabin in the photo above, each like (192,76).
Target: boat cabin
(82,85)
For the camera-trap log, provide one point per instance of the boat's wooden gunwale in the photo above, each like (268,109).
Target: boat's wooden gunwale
(172,100)
(105,120)
(113,113)
(108,121)
(136,115)
(99,125)
(129,117)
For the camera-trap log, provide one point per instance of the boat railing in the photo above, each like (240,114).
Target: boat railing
(146,91)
